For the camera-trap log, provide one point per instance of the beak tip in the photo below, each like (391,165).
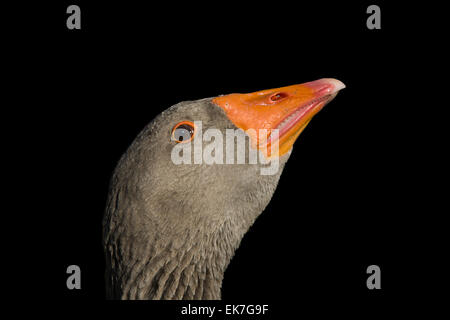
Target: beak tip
(337,84)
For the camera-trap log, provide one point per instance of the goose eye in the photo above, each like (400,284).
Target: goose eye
(183,132)
(277,96)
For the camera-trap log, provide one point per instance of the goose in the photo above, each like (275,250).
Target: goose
(170,229)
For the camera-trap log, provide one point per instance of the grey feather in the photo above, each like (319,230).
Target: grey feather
(169,230)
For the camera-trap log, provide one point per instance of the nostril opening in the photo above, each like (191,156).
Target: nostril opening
(277,96)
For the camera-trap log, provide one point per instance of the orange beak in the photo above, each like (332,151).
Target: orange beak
(287,109)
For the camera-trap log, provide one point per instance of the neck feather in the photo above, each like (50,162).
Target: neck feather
(190,268)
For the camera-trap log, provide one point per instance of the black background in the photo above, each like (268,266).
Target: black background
(345,200)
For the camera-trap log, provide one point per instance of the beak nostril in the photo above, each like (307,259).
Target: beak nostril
(277,96)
